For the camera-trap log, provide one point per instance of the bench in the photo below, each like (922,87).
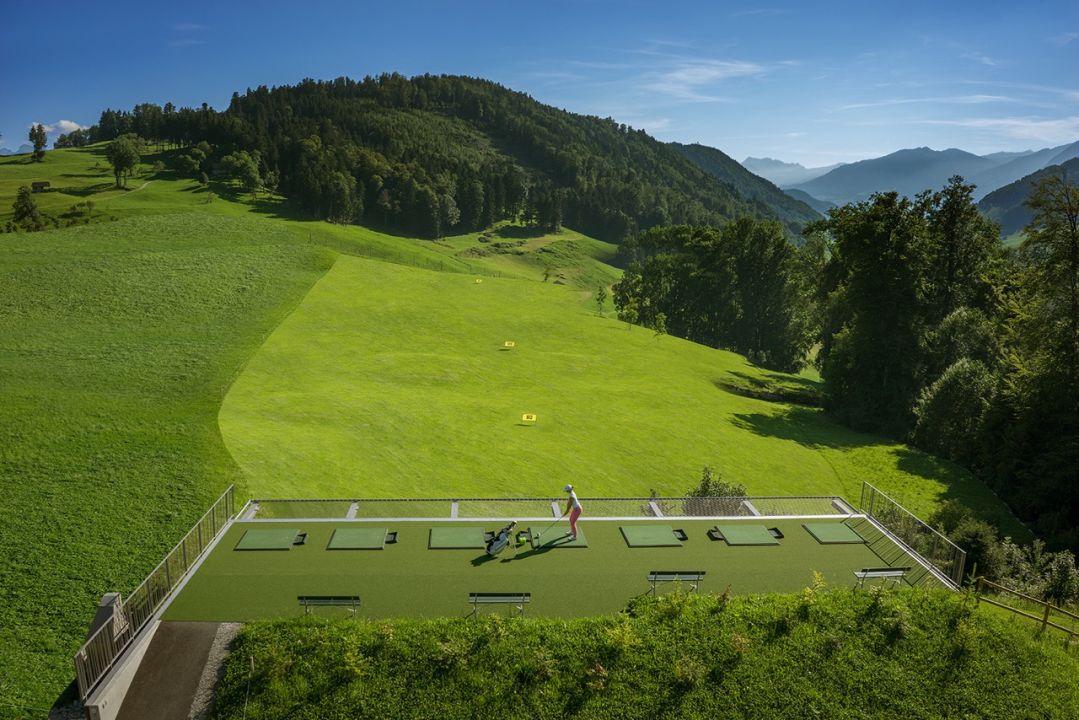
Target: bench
(693,577)
(886,573)
(309,601)
(519,599)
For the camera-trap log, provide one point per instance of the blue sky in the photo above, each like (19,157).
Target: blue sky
(816,85)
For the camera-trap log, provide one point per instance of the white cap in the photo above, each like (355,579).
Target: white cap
(568,488)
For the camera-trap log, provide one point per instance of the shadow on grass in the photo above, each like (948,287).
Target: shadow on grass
(812,429)
(520,232)
(88,190)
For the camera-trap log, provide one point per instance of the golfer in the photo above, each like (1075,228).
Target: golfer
(573,507)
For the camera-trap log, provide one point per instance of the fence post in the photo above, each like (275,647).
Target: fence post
(1045,616)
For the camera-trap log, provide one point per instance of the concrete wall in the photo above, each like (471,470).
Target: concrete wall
(105,701)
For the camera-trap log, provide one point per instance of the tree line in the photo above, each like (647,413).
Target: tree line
(431,155)
(928,330)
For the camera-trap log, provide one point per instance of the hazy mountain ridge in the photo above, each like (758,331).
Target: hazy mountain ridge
(23,149)
(821,206)
(784,173)
(913,170)
(1007,205)
(748,184)
(907,172)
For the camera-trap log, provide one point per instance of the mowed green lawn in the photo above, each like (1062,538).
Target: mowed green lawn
(407,579)
(390,381)
(117,343)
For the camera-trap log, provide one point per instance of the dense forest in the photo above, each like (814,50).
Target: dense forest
(431,155)
(930,331)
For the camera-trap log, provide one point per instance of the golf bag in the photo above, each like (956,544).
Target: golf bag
(501,541)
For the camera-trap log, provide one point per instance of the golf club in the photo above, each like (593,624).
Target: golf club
(553,522)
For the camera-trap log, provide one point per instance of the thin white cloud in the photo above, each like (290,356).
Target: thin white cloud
(1064,38)
(1067,93)
(693,79)
(1055,130)
(947,99)
(981,58)
(766,12)
(61,126)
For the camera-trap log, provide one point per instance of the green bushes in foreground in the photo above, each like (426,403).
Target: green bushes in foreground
(911,654)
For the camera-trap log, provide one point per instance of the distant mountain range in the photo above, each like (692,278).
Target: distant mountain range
(821,206)
(908,172)
(790,209)
(782,173)
(24,148)
(1007,205)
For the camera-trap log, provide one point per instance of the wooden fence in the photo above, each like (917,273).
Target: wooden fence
(1044,611)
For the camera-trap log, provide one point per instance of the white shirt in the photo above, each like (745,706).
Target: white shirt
(573,499)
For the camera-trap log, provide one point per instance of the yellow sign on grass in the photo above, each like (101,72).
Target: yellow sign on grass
(528,418)
(509,344)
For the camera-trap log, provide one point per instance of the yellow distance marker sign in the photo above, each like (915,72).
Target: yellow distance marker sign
(509,344)
(528,418)
(479,280)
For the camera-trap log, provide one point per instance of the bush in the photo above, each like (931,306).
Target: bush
(950,411)
(984,554)
(713,495)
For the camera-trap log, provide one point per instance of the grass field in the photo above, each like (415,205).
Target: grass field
(238,585)
(119,340)
(381,351)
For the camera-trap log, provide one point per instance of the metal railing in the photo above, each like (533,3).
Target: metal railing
(1043,611)
(101,650)
(915,535)
(535,507)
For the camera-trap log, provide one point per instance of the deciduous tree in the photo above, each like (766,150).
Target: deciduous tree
(123,155)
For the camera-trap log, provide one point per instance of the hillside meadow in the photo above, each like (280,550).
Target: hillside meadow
(179,341)
(828,654)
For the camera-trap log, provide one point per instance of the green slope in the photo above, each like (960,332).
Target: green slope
(392,381)
(815,655)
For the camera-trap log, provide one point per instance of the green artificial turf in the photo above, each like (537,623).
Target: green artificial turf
(831,533)
(362,538)
(739,534)
(413,581)
(267,539)
(650,536)
(456,538)
(554,537)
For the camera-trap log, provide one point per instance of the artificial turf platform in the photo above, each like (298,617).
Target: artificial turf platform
(408,579)
(460,537)
(651,535)
(556,537)
(833,533)
(267,539)
(358,538)
(746,534)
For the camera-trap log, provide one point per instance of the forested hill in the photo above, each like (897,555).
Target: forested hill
(431,155)
(721,166)
(1007,205)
